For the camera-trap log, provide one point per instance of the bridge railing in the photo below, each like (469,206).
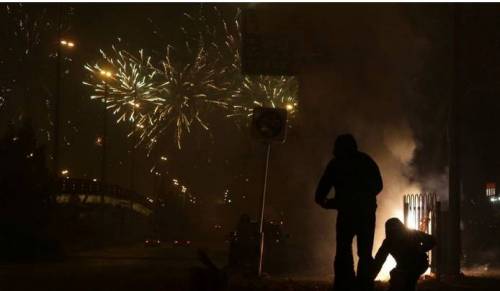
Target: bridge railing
(94,192)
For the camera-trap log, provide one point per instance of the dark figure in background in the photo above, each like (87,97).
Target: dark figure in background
(409,248)
(357,181)
(244,246)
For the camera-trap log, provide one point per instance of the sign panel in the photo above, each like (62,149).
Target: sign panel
(269,124)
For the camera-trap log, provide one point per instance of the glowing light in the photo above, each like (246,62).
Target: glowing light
(106,74)
(67,43)
(64,172)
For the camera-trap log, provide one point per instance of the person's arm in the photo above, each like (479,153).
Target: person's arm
(380,257)
(425,241)
(325,185)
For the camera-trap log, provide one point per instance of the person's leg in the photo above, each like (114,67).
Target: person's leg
(398,280)
(365,232)
(344,264)
(413,276)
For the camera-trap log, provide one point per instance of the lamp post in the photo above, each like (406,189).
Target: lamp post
(105,75)
(132,150)
(63,44)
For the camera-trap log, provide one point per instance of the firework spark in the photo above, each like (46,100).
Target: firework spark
(176,92)
(187,90)
(156,97)
(249,91)
(126,84)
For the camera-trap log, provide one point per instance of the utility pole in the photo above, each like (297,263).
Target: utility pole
(132,150)
(57,102)
(453,267)
(104,135)
(67,45)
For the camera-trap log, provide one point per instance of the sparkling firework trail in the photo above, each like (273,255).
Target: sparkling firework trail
(156,98)
(187,89)
(28,49)
(126,84)
(176,92)
(249,91)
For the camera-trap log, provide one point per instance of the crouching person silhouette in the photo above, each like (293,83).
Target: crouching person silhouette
(357,181)
(409,248)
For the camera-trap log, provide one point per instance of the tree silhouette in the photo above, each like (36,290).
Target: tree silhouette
(25,193)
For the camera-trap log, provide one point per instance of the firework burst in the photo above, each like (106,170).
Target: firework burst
(187,90)
(156,97)
(126,84)
(249,91)
(173,94)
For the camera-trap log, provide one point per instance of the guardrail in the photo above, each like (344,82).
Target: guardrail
(93,192)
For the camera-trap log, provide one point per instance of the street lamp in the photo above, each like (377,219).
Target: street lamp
(67,43)
(63,44)
(104,75)
(135,105)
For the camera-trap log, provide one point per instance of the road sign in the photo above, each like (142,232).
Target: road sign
(269,124)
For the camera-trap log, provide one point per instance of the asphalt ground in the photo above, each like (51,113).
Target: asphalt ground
(168,267)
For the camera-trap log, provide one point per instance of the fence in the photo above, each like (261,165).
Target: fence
(421,212)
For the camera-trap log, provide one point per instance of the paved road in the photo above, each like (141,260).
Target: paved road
(164,268)
(126,268)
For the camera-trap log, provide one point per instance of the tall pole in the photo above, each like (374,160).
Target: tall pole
(262,208)
(132,168)
(57,103)
(454,150)
(132,150)
(104,140)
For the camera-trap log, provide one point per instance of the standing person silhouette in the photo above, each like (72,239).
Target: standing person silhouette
(357,181)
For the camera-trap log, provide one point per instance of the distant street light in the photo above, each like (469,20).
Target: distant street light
(57,104)
(67,43)
(106,74)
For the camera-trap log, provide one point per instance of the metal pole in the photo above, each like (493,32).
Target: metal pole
(55,141)
(132,169)
(454,152)
(104,141)
(132,151)
(262,208)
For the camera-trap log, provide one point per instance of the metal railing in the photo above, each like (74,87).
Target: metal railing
(422,212)
(94,192)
